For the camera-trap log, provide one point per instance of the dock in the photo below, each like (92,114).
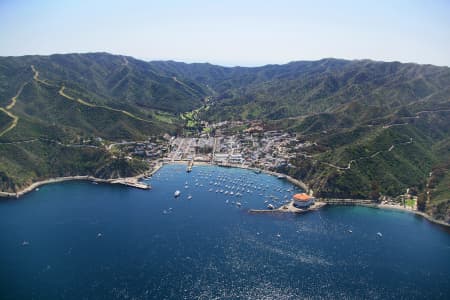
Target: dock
(290,208)
(190,165)
(132,182)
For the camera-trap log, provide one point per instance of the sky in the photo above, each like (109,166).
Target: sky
(231,32)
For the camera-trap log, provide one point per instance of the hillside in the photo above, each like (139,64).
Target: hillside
(376,128)
(52,105)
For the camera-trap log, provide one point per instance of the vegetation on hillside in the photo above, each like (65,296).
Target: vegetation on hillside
(375,128)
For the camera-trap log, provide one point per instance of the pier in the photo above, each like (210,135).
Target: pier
(290,208)
(190,165)
(335,201)
(132,182)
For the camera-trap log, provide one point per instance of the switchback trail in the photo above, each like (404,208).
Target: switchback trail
(81,101)
(13,124)
(14,118)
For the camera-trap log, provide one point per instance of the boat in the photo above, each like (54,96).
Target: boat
(177,193)
(350,231)
(270,206)
(25,243)
(278,235)
(238,204)
(281,176)
(379,234)
(189,197)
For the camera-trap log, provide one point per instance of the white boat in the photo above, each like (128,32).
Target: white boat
(177,193)
(379,234)
(270,206)
(238,204)
(189,197)
(25,243)
(350,231)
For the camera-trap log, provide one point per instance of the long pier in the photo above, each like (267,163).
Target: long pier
(336,201)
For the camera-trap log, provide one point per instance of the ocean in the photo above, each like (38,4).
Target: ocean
(78,240)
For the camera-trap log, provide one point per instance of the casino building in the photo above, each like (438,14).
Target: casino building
(303,200)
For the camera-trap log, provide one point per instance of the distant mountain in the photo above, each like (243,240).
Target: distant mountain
(376,127)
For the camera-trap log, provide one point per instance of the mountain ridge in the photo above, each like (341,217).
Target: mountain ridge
(348,108)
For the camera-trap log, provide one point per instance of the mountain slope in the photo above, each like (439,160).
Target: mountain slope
(51,104)
(376,128)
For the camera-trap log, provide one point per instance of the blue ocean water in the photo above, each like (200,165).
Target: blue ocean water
(77,240)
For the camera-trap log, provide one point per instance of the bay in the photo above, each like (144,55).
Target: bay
(77,240)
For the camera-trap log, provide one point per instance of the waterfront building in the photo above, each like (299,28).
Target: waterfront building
(303,200)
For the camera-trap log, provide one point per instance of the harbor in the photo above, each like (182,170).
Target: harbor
(211,237)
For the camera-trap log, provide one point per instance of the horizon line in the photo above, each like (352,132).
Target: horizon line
(226,65)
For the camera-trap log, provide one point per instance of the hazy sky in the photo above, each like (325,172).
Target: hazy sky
(231,32)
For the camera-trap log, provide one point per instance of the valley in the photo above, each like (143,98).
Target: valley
(350,129)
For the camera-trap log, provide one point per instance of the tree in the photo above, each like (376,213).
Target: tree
(422,201)
(375,190)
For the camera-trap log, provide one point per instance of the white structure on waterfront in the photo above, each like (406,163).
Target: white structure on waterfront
(303,200)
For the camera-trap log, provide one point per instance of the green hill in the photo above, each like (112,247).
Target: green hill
(69,98)
(376,128)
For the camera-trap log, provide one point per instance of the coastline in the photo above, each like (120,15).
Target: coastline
(407,210)
(126,180)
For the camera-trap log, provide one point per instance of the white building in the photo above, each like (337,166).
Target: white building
(303,200)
